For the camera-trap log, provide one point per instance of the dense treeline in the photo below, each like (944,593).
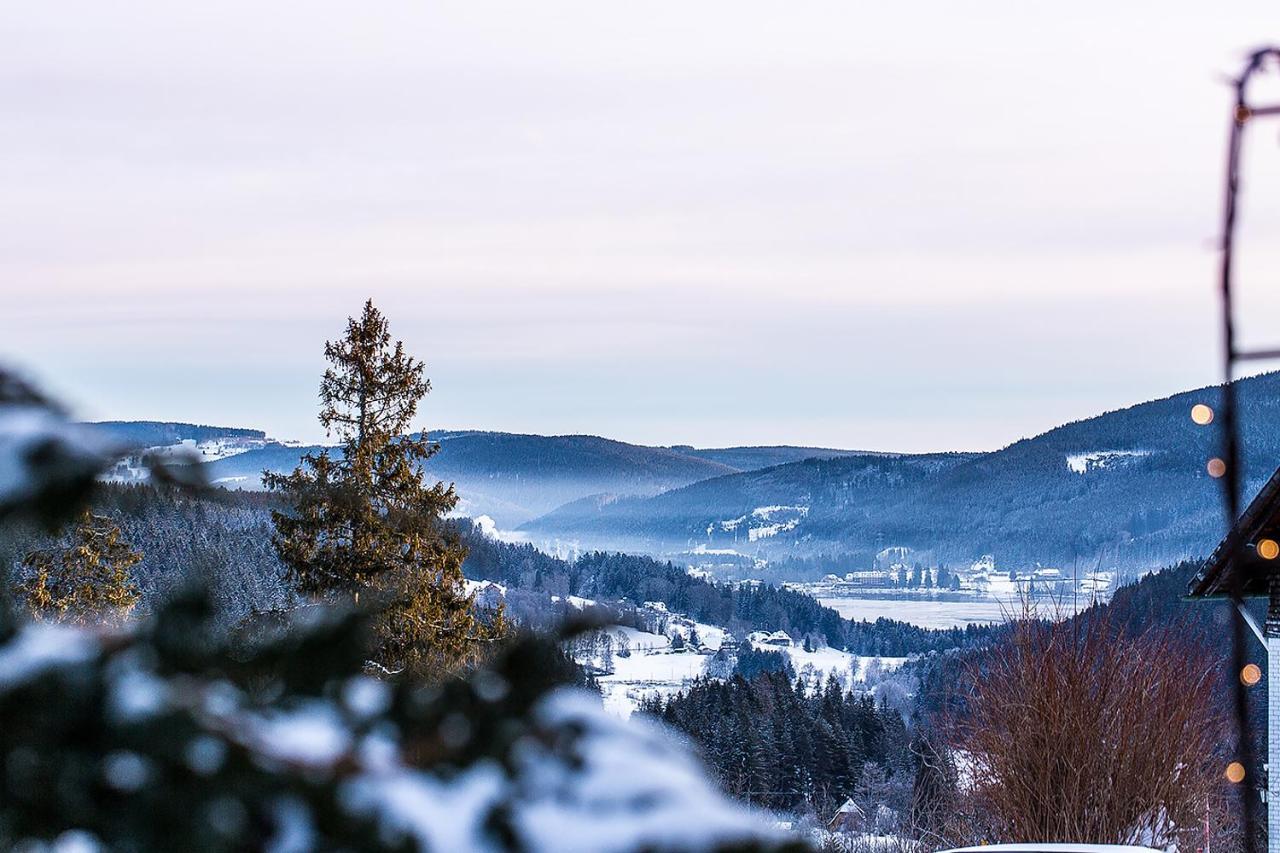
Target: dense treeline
(1160,598)
(220,536)
(739,607)
(226,536)
(162,433)
(779,747)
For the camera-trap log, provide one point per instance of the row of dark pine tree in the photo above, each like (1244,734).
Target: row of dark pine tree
(770,742)
(738,607)
(225,537)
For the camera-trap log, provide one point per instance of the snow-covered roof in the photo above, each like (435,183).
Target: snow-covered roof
(475,587)
(1260,519)
(849,807)
(765,638)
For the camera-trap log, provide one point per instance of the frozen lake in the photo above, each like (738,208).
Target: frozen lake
(948,610)
(927,613)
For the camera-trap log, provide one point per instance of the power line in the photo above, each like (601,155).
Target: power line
(1242,113)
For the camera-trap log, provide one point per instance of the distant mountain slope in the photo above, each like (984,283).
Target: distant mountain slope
(514,478)
(754,458)
(1125,489)
(741,511)
(537,473)
(163,433)
(244,470)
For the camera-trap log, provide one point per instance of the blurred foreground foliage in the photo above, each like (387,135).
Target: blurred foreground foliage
(174,733)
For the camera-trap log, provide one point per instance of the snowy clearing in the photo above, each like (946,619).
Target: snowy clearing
(1083,463)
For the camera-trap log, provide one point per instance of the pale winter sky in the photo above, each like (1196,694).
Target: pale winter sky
(923,225)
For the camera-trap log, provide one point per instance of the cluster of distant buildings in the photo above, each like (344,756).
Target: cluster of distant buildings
(982,577)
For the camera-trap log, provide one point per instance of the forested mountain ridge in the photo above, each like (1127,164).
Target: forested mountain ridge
(736,511)
(225,538)
(142,434)
(766,456)
(510,477)
(1125,489)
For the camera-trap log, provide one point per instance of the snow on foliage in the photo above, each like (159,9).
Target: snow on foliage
(39,648)
(622,785)
(48,462)
(284,745)
(42,451)
(610,786)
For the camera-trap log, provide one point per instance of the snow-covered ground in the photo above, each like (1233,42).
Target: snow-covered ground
(575,601)
(709,636)
(642,677)
(864,842)
(221,448)
(644,665)
(848,669)
(821,663)
(760,523)
(650,667)
(132,468)
(634,639)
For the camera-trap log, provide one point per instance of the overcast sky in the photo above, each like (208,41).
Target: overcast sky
(899,226)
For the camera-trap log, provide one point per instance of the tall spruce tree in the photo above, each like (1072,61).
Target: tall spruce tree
(86,580)
(363,522)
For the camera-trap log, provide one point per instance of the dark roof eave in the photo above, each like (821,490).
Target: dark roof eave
(1209,582)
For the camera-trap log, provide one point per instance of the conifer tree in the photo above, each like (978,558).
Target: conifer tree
(944,577)
(363,522)
(934,791)
(87,580)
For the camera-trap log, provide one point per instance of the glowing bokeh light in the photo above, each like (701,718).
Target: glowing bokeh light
(1216,467)
(1251,674)
(1202,414)
(1235,772)
(1268,549)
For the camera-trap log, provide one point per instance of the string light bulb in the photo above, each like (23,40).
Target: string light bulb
(1216,467)
(1235,772)
(1251,674)
(1268,549)
(1202,414)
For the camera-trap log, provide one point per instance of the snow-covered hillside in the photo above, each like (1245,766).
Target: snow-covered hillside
(632,665)
(1083,463)
(132,468)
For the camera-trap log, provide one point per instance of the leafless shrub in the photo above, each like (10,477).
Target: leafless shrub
(1076,732)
